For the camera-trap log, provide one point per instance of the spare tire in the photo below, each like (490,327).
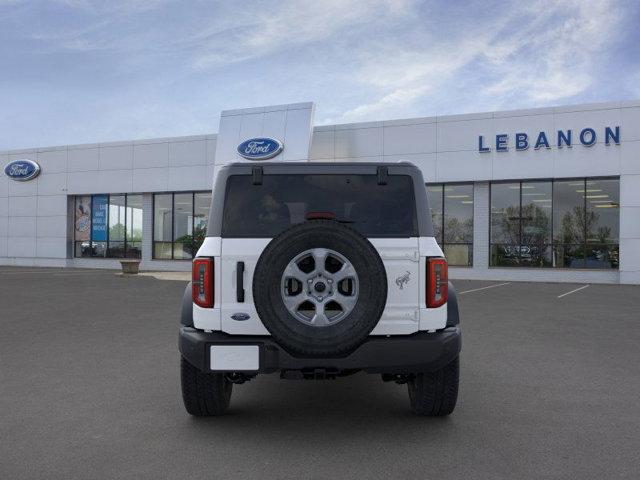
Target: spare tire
(320,288)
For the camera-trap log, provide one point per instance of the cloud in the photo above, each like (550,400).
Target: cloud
(209,35)
(258,32)
(542,53)
(555,63)
(124,69)
(397,98)
(102,8)
(407,76)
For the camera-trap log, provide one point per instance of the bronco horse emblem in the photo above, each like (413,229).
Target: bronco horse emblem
(403,279)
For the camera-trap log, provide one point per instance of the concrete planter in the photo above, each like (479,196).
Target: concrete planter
(130,266)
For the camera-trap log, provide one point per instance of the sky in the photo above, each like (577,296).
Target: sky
(77,71)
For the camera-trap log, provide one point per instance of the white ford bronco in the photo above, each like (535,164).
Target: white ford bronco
(320,270)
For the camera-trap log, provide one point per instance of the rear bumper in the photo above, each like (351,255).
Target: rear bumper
(419,352)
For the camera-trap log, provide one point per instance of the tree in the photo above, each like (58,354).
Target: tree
(525,234)
(116,232)
(577,222)
(192,242)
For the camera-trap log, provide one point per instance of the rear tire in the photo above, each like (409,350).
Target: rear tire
(434,394)
(204,394)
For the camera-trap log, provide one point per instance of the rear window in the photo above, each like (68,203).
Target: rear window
(283,200)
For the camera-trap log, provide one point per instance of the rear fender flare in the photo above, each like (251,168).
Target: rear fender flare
(453,314)
(186,313)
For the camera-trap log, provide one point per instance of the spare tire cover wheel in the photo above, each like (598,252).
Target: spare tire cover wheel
(319,288)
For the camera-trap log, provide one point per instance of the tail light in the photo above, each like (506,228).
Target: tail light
(202,282)
(437,282)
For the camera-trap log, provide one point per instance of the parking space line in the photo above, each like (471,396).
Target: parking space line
(484,288)
(573,291)
(76,274)
(29,272)
(57,273)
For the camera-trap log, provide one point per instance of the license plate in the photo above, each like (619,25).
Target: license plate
(234,357)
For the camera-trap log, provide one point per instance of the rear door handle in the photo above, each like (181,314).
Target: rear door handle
(240,282)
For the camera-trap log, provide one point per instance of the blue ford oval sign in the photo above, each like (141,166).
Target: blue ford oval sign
(260,148)
(22,170)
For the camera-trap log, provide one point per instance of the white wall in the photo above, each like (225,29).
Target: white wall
(35,227)
(446,150)
(291,124)
(34,219)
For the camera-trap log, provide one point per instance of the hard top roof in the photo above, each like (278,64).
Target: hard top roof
(322,167)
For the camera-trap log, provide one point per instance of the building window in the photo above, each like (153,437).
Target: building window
(108,226)
(586,223)
(179,224)
(451,208)
(565,224)
(521,224)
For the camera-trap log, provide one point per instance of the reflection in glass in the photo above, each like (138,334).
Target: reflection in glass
(504,255)
(183,225)
(162,250)
(505,213)
(108,226)
(505,224)
(451,208)
(568,256)
(601,256)
(564,224)
(99,249)
(458,214)
(162,217)
(568,212)
(162,225)
(180,223)
(117,218)
(458,254)
(201,206)
(458,224)
(434,193)
(535,215)
(603,211)
(602,225)
(82,226)
(569,223)
(134,226)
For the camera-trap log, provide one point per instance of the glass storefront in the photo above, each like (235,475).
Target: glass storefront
(179,224)
(451,208)
(562,223)
(108,226)
(533,223)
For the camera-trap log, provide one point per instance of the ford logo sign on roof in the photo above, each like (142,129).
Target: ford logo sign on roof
(22,170)
(260,148)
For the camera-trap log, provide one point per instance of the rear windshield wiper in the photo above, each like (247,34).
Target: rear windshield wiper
(326,216)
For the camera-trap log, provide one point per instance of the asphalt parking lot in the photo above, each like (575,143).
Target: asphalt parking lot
(89,388)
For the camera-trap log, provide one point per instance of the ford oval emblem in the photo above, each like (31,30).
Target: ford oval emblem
(260,148)
(240,317)
(22,170)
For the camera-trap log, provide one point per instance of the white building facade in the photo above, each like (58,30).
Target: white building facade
(550,194)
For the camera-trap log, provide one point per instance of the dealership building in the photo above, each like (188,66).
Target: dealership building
(547,194)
